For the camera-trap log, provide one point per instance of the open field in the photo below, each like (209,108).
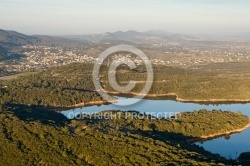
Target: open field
(16,76)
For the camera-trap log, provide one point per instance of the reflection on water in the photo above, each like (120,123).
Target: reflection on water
(147,105)
(229,148)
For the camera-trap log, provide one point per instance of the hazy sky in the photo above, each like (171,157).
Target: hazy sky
(60,17)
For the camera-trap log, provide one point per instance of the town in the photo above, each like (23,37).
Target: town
(36,58)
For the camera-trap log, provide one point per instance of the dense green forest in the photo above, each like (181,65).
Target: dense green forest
(191,124)
(37,136)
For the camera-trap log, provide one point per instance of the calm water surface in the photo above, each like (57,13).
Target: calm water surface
(227,147)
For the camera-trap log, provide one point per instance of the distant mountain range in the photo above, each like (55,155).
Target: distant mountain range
(133,37)
(11,40)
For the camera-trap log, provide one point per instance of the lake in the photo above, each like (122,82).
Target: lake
(228,147)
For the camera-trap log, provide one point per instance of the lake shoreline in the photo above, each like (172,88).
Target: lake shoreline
(91,103)
(78,105)
(169,96)
(211,136)
(175,97)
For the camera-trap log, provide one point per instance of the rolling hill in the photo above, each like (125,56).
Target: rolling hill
(134,37)
(12,41)
(9,39)
(14,38)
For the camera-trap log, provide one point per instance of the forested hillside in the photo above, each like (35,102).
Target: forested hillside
(61,86)
(188,84)
(72,84)
(15,38)
(36,136)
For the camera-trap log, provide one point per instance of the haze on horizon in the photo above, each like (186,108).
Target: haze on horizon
(64,17)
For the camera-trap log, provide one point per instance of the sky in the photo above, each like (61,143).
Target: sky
(77,17)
